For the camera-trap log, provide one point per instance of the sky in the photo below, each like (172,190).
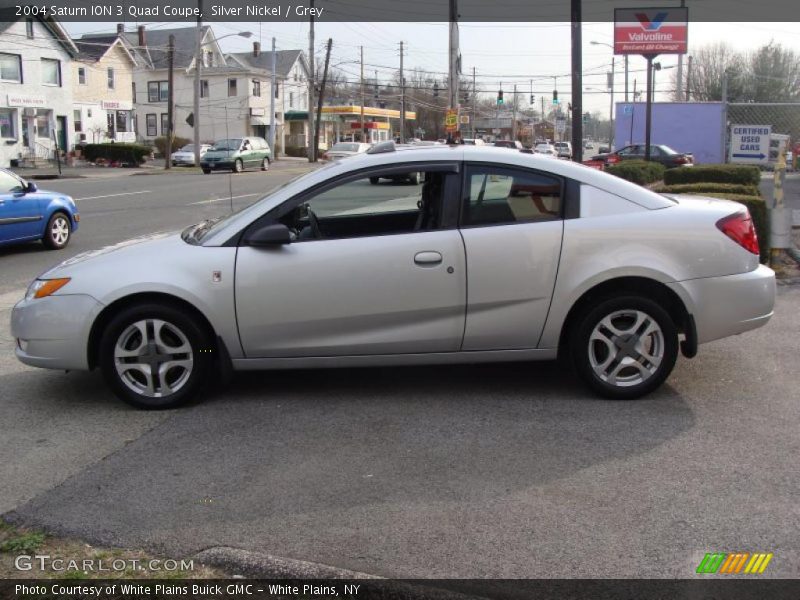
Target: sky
(501,53)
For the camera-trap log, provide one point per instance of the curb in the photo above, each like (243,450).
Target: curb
(257,565)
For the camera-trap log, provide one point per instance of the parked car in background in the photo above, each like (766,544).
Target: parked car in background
(345,149)
(328,271)
(604,149)
(237,154)
(548,149)
(185,156)
(563,149)
(658,153)
(28,213)
(515,144)
(473,141)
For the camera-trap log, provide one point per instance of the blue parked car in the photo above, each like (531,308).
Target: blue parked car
(27,213)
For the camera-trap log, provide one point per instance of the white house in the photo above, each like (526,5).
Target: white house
(36,99)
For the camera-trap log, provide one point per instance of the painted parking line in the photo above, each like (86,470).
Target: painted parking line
(114,195)
(225,199)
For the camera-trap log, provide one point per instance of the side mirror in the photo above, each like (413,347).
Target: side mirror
(31,188)
(270,235)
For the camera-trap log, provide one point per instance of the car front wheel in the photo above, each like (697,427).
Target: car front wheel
(155,356)
(265,164)
(58,231)
(625,347)
(238,167)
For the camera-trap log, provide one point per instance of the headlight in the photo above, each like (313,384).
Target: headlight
(41,288)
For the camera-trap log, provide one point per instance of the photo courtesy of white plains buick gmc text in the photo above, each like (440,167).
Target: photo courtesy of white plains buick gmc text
(410,256)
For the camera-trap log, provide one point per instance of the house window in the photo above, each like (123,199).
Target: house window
(29,28)
(42,123)
(110,78)
(76,119)
(277,89)
(291,99)
(8,118)
(133,91)
(152,124)
(164,123)
(82,75)
(51,71)
(256,87)
(157,91)
(209,59)
(232,87)
(11,67)
(88,113)
(123,120)
(204,88)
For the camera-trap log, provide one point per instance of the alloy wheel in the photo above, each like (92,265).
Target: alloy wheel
(59,230)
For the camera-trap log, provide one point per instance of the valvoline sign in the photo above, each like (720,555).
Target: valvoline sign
(651,30)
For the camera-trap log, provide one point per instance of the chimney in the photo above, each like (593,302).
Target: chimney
(256,49)
(120,28)
(142,36)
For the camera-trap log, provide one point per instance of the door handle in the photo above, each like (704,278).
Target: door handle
(428,259)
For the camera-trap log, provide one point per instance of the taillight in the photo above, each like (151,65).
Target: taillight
(681,160)
(612,160)
(326,156)
(739,227)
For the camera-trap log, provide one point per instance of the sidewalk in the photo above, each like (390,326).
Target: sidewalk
(152,167)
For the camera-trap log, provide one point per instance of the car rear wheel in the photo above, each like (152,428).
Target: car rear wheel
(206,171)
(625,347)
(265,164)
(58,231)
(238,167)
(155,356)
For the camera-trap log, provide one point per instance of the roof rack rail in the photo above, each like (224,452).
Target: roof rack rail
(382,147)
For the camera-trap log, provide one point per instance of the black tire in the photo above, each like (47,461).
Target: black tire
(238,166)
(58,226)
(643,376)
(265,164)
(374,180)
(129,386)
(206,171)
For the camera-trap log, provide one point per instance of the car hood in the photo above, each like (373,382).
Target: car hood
(219,153)
(143,244)
(183,153)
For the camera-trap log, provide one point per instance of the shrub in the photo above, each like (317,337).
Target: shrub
(638,171)
(741,174)
(758,211)
(124,153)
(177,143)
(706,188)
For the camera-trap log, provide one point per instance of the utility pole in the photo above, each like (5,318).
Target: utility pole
(453,63)
(474,102)
(322,93)
(679,78)
(402,98)
(611,109)
(170,100)
(514,115)
(198,63)
(272,89)
(688,77)
(577,81)
(649,106)
(363,131)
(312,152)
(543,127)
(626,79)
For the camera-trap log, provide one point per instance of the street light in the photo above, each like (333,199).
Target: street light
(198,63)
(595,43)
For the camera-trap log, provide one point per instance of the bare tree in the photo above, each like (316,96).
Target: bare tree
(773,75)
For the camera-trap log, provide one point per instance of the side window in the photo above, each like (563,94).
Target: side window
(394,203)
(499,196)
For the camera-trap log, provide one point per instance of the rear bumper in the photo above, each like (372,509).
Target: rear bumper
(53,332)
(228,164)
(729,305)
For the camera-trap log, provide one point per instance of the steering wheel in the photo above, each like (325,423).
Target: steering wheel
(313,221)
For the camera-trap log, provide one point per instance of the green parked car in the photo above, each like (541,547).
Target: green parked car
(237,154)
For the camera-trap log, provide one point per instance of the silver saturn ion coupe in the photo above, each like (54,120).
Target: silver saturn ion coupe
(489,255)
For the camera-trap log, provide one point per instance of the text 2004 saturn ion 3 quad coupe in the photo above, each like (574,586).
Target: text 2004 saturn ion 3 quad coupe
(497,256)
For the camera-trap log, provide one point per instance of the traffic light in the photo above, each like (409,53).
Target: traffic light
(435,90)
(585,118)
(500,96)
(466,95)
(532,98)
(376,91)
(555,96)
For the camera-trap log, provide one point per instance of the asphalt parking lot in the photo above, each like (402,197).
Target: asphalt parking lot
(508,470)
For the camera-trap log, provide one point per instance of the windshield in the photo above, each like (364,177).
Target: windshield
(667,150)
(232,144)
(188,148)
(345,147)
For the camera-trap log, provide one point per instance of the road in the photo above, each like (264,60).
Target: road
(508,470)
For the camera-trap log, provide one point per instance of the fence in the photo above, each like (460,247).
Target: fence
(782,118)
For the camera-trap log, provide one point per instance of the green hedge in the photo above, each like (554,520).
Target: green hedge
(740,174)
(758,210)
(177,143)
(638,171)
(706,188)
(124,153)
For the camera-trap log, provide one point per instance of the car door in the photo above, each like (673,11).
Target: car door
(387,274)
(20,213)
(512,227)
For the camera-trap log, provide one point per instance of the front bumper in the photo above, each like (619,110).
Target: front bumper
(227,164)
(53,332)
(729,305)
